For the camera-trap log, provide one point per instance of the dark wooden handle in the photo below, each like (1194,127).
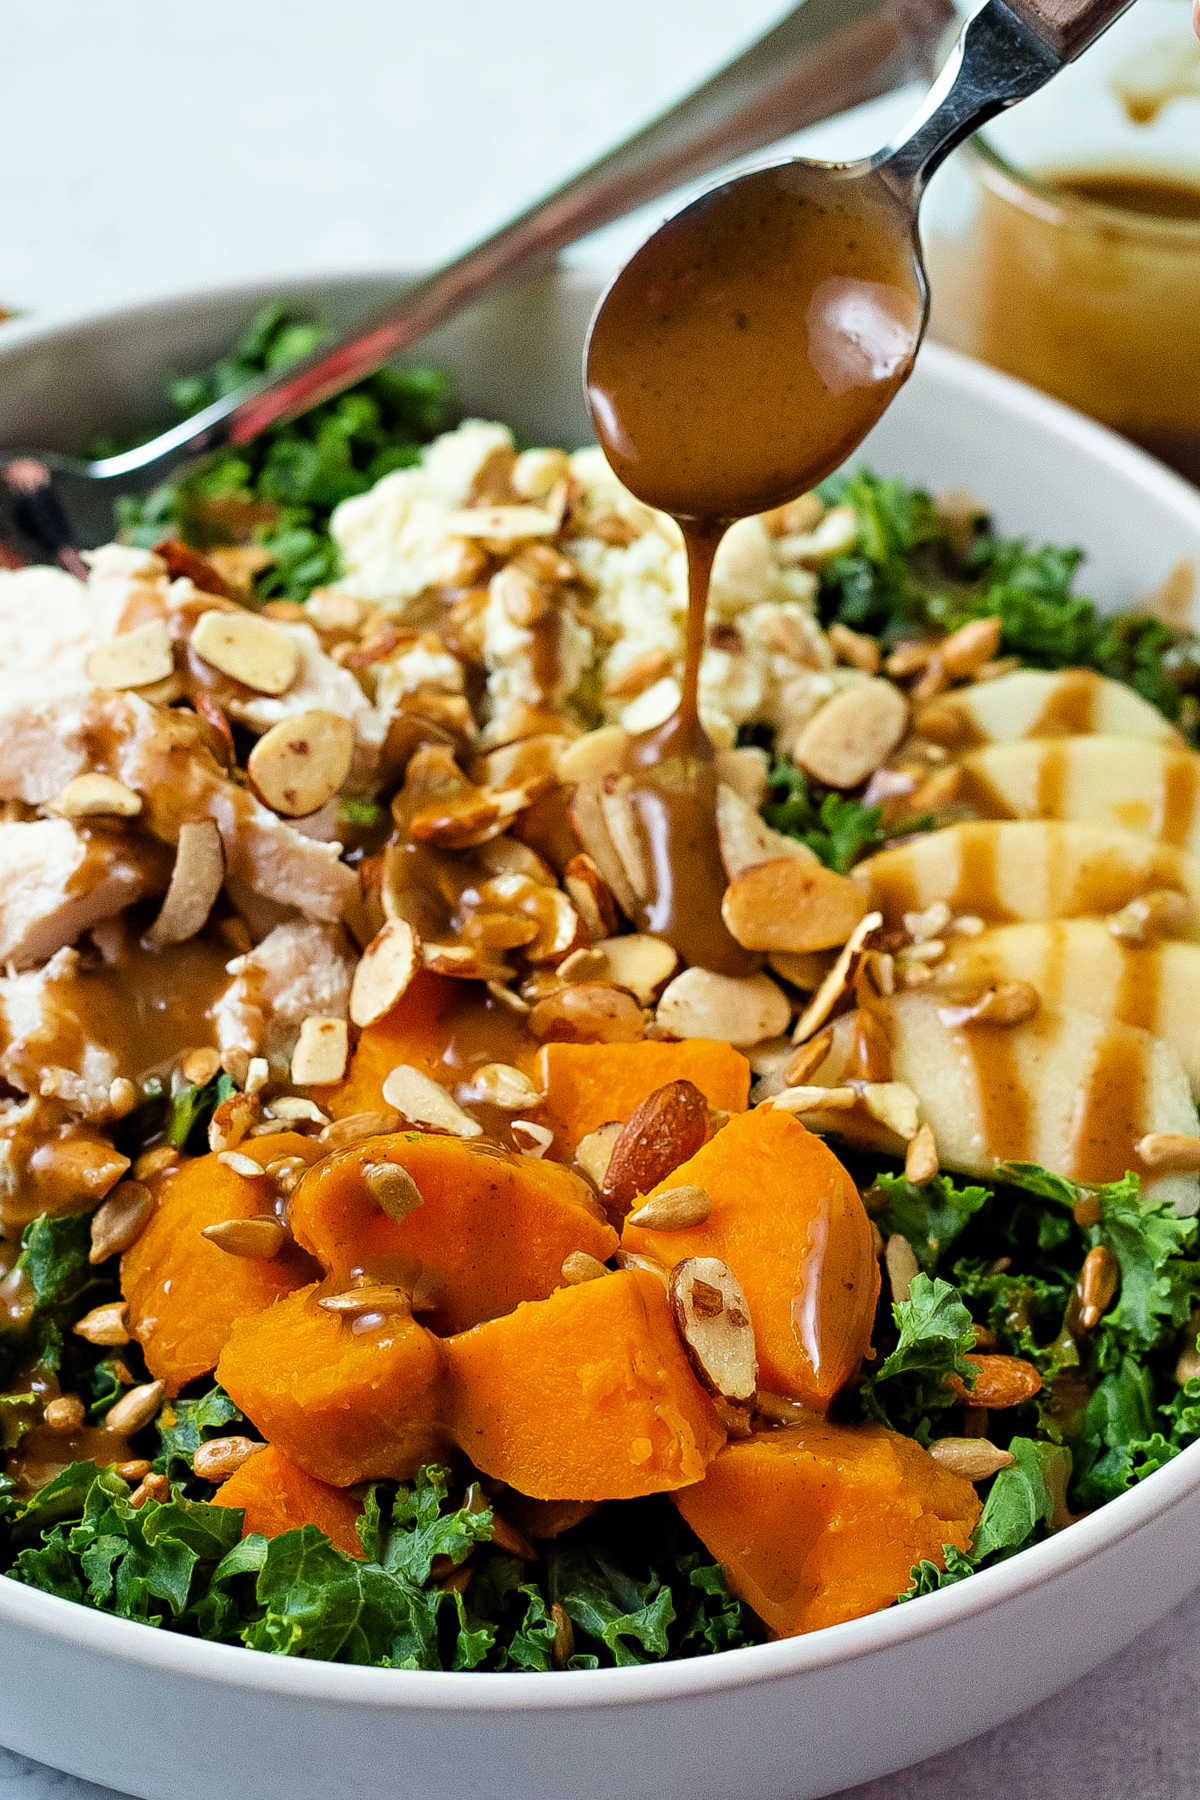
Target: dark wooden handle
(1068,26)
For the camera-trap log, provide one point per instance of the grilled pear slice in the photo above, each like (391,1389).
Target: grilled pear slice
(1008,870)
(1063,1089)
(1079,963)
(1137,784)
(1041,703)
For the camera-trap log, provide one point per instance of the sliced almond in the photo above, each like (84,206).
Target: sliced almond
(810,1098)
(594,755)
(639,962)
(742,1009)
(665,1131)
(972,645)
(232,1120)
(133,659)
(632,1259)
(975,1459)
(589,818)
(247,648)
(530,1137)
(96,796)
(107,1324)
(591,897)
(120,1220)
(590,1012)
(258,1238)
(322,1048)
(502,1085)
(339,1134)
(196,880)
(298,766)
(839,979)
(420,1100)
(853,734)
(808,1059)
(853,647)
(745,839)
(220,1458)
(241,1164)
(504,525)
(583,965)
(713,1321)
(673,1209)
(902,1266)
(296,1110)
(1156,914)
(384,971)
(1008,1003)
(593,1153)
(921,1158)
(800,969)
(786,904)
(894,1105)
(579,1266)
(393,1189)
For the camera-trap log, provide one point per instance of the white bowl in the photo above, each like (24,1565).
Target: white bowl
(171,1718)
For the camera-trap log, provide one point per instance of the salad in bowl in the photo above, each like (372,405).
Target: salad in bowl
(410,1259)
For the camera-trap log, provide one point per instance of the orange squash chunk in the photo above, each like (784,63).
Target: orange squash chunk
(277,1496)
(440,1026)
(184,1294)
(816,1523)
(585,1396)
(788,1220)
(349,1398)
(492,1228)
(587,1085)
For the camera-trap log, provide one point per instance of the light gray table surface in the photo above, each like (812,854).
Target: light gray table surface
(151,146)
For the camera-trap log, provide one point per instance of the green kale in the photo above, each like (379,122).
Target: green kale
(837,829)
(183,1425)
(935,1334)
(190,1110)
(930,1217)
(279,491)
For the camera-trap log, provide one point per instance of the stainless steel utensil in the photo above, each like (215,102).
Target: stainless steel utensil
(825,55)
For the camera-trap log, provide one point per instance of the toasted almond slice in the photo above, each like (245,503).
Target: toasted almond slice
(591,897)
(1008,1003)
(530,1137)
(853,734)
(808,1058)
(591,827)
(220,1458)
(806,1099)
(800,969)
(713,1321)
(742,1009)
(594,755)
(786,904)
(579,1266)
(120,1220)
(369,1297)
(975,1459)
(673,1209)
(419,1099)
(96,796)
(502,1085)
(921,1158)
(902,1266)
(248,648)
(839,979)
(745,838)
(297,766)
(199,1066)
(393,1189)
(504,524)
(232,1120)
(583,965)
(133,659)
(632,1259)
(639,962)
(135,1408)
(894,1105)
(241,1164)
(854,648)
(322,1048)
(589,1012)
(666,1130)
(196,880)
(384,971)
(339,1134)
(593,1153)
(258,1238)
(972,645)
(105,1324)
(295,1109)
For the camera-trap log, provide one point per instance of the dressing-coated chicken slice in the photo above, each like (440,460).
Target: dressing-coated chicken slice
(58,882)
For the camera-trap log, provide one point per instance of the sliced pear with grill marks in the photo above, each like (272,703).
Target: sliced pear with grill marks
(1005,871)
(1079,963)
(1041,703)
(1064,1089)
(1134,784)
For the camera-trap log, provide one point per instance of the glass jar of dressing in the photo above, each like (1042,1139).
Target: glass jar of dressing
(1064,244)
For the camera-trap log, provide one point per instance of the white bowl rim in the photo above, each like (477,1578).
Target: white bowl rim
(232,1666)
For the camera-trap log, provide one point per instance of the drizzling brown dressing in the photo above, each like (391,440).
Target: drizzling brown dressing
(734,363)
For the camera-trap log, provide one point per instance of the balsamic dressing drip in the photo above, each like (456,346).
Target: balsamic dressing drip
(740,356)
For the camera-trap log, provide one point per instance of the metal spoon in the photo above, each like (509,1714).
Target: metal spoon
(752,342)
(824,55)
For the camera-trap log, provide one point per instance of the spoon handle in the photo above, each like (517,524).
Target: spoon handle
(1004,53)
(1068,26)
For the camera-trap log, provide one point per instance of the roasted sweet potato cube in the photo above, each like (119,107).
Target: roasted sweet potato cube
(586,1085)
(277,1496)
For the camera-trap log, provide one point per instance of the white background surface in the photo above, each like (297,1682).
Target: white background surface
(150,145)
